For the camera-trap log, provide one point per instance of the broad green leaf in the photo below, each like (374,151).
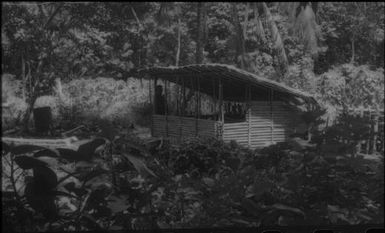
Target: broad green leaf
(208,181)
(87,150)
(23,149)
(99,182)
(44,178)
(47,152)
(258,188)
(139,165)
(5,147)
(92,174)
(68,154)
(117,203)
(287,208)
(28,162)
(40,201)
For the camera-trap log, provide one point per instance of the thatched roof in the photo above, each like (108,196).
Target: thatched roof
(232,77)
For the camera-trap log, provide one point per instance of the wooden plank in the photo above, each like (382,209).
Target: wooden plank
(257,137)
(259,119)
(257,127)
(236,134)
(244,129)
(245,139)
(235,124)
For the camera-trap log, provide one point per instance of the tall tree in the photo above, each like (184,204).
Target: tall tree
(201,19)
(305,26)
(240,36)
(278,45)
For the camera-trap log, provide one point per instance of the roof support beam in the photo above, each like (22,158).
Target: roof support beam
(271,93)
(150,96)
(154,96)
(197,104)
(220,91)
(248,113)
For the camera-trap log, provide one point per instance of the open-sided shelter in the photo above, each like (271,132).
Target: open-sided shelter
(221,101)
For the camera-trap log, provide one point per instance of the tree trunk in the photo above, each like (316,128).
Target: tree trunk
(260,31)
(353,51)
(28,112)
(246,22)
(178,46)
(276,39)
(240,59)
(23,77)
(201,31)
(32,96)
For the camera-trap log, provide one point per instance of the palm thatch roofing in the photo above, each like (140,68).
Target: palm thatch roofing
(234,80)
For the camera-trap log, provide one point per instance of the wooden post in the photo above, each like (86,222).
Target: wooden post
(197,107)
(248,112)
(221,112)
(151,104)
(271,116)
(179,111)
(154,105)
(361,114)
(215,98)
(166,104)
(177,96)
(199,97)
(184,98)
(375,132)
(368,142)
(220,91)
(183,105)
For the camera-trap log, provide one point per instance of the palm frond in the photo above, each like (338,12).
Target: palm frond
(259,30)
(276,38)
(306,28)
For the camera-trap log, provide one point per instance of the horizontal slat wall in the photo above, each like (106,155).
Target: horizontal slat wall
(236,131)
(179,128)
(206,128)
(158,125)
(260,124)
(188,127)
(266,126)
(174,124)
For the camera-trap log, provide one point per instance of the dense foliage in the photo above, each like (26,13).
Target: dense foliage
(334,50)
(205,183)
(323,48)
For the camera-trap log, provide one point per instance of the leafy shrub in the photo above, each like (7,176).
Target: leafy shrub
(344,136)
(203,183)
(142,114)
(352,86)
(11,94)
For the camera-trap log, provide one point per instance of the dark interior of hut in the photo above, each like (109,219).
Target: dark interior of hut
(204,104)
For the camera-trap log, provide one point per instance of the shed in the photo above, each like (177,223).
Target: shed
(221,101)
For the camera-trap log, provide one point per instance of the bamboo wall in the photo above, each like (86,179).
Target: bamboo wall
(178,128)
(265,124)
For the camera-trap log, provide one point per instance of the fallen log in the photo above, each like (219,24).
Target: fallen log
(67,133)
(67,143)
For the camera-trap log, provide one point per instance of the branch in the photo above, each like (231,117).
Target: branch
(53,15)
(136,18)
(13,181)
(41,10)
